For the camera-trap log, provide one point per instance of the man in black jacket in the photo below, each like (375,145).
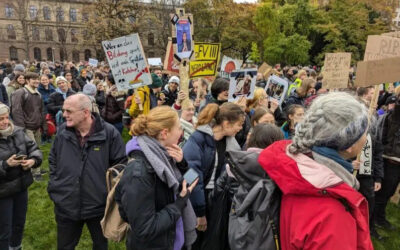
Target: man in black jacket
(84,148)
(56,100)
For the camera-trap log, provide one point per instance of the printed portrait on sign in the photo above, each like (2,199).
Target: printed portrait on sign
(183,38)
(276,88)
(242,84)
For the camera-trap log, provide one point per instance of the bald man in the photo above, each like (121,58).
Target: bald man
(84,148)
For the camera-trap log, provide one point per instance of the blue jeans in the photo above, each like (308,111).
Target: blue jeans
(12,219)
(119,126)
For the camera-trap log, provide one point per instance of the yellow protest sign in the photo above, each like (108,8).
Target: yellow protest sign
(207,58)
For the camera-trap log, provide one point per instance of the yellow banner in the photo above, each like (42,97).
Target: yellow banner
(207,58)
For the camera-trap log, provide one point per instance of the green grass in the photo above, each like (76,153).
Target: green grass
(41,231)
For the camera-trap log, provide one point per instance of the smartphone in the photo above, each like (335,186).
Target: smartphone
(191,176)
(20,157)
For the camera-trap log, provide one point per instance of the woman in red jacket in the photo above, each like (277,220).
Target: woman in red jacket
(321,208)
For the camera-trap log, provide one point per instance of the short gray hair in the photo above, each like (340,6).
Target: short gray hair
(336,120)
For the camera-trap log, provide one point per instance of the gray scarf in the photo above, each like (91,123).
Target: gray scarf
(7,132)
(158,157)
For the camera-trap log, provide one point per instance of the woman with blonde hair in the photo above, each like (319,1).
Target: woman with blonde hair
(151,195)
(299,96)
(321,208)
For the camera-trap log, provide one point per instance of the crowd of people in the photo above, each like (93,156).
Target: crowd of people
(270,176)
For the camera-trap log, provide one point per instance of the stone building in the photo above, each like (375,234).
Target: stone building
(55,30)
(44,30)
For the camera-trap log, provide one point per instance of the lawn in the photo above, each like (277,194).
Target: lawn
(40,228)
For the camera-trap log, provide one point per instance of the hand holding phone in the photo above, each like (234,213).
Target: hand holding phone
(190,176)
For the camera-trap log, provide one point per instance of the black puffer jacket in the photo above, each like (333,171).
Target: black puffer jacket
(56,102)
(15,179)
(77,183)
(149,205)
(391,132)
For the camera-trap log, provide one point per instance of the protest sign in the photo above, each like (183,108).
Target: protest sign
(229,64)
(156,62)
(242,83)
(264,69)
(336,70)
(378,71)
(170,65)
(182,35)
(379,47)
(127,62)
(93,62)
(276,88)
(207,57)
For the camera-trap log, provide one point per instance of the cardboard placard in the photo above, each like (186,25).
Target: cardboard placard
(379,47)
(378,71)
(336,70)
(207,58)
(242,83)
(264,69)
(229,64)
(276,88)
(93,62)
(154,62)
(182,35)
(127,61)
(170,65)
(395,34)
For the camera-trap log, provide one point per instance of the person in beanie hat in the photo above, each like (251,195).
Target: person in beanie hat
(90,90)
(15,178)
(18,69)
(56,100)
(171,90)
(148,97)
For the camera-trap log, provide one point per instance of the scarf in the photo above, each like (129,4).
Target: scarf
(63,94)
(333,155)
(159,159)
(7,132)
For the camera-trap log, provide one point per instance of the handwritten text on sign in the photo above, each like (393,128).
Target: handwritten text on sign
(207,58)
(380,47)
(127,61)
(336,70)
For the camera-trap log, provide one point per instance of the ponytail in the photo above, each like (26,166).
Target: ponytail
(215,114)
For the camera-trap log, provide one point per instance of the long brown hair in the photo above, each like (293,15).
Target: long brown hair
(306,85)
(226,112)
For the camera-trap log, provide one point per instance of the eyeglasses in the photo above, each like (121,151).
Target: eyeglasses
(68,111)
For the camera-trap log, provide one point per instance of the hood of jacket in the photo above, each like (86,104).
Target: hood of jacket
(245,167)
(302,175)
(231,143)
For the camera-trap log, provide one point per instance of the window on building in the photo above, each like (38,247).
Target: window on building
(37,54)
(11,32)
(150,39)
(9,10)
(74,37)
(75,56)
(13,53)
(85,17)
(62,36)
(131,19)
(88,54)
(63,54)
(46,13)
(85,35)
(72,15)
(60,14)
(35,33)
(49,52)
(49,34)
(33,11)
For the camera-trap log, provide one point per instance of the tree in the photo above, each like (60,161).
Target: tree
(110,19)
(255,54)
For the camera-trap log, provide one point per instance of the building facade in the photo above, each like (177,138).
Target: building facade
(55,30)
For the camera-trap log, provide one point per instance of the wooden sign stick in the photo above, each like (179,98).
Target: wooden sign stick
(199,88)
(184,79)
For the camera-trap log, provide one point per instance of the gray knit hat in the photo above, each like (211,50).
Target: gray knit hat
(4,109)
(19,67)
(89,89)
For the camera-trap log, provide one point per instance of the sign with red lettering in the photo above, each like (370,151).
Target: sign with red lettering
(127,61)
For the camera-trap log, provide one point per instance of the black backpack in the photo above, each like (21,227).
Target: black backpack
(254,216)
